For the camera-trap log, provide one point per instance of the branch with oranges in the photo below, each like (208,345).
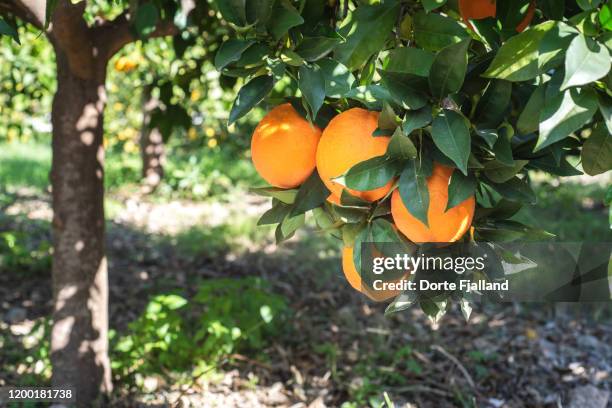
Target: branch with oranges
(419,122)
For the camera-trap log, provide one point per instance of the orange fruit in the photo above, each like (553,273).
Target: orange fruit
(354,279)
(347,140)
(481,9)
(284,146)
(443,226)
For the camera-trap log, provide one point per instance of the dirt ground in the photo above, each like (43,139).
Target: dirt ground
(509,355)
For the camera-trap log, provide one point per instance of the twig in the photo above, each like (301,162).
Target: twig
(422,389)
(452,358)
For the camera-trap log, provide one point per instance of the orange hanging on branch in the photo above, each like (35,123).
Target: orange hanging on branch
(481,9)
(284,146)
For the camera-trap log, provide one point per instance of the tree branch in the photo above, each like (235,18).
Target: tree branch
(115,34)
(29,11)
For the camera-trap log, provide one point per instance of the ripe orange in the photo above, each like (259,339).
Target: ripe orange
(481,9)
(347,141)
(444,226)
(284,146)
(354,279)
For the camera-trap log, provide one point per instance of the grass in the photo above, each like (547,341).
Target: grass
(24,165)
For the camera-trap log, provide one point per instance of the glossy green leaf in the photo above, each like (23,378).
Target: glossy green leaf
(494,104)
(371,174)
(405,89)
(312,194)
(401,147)
(517,59)
(284,17)
(408,60)
(597,152)
(515,190)
(565,113)
(451,134)
(448,69)
(417,119)
(529,120)
(234,11)
(499,172)
(586,61)
(338,79)
(488,135)
(366,33)
(250,95)
(605,107)
(434,31)
(588,4)
(282,195)
(274,215)
(413,191)
(315,48)
(554,44)
(460,188)
(312,84)
(230,51)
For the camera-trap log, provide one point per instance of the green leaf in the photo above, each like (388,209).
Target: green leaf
(370,95)
(282,195)
(430,5)
(250,95)
(405,89)
(233,11)
(259,11)
(315,48)
(451,134)
(586,61)
(597,152)
(338,79)
(408,60)
(586,22)
(460,188)
(371,174)
(490,136)
(529,120)
(448,69)
(517,59)
(146,19)
(287,228)
(515,190)
(401,147)
(605,17)
(312,194)
(387,120)
(552,49)
(493,105)
(275,215)
(284,17)
(588,4)
(434,31)
(499,172)
(413,191)
(605,107)
(565,113)
(503,147)
(10,30)
(231,51)
(312,84)
(417,119)
(366,33)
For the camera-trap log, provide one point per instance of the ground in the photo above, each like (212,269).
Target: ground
(331,346)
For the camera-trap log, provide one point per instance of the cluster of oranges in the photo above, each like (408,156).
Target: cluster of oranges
(286,149)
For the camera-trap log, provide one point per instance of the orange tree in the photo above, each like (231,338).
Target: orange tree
(85,36)
(429,115)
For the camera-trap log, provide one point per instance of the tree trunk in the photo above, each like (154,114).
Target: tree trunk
(79,338)
(152,148)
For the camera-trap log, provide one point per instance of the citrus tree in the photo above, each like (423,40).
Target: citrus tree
(85,36)
(415,122)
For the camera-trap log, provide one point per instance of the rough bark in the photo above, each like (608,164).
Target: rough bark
(79,338)
(152,149)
